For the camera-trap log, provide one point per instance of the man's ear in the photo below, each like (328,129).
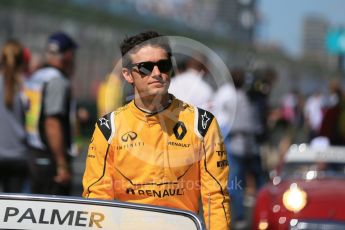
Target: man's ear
(127,75)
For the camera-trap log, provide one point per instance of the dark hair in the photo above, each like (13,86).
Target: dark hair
(12,63)
(131,44)
(238,76)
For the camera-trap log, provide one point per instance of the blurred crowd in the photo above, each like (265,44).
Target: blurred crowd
(256,134)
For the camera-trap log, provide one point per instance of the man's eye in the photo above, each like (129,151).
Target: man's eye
(145,71)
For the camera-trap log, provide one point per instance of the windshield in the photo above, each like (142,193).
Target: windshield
(312,170)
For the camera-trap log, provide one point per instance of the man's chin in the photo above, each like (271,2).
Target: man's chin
(158,91)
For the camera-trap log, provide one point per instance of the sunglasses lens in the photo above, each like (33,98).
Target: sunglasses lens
(146,68)
(164,66)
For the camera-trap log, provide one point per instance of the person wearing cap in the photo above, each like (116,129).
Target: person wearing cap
(48,118)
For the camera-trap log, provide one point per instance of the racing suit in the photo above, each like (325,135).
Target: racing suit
(170,158)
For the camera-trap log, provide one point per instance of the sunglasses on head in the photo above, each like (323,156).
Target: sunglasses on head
(146,68)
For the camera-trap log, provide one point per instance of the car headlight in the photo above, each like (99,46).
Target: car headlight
(263,225)
(294,199)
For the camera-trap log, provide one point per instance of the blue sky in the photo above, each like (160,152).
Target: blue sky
(282,20)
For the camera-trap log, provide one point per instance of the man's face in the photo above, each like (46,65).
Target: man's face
(68,61)
(149,83)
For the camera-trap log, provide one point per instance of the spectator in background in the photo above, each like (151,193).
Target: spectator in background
(313,114)
(242,147)
(289,106)
(334,94)
(259,91)
(110,95)
(189,85)
(27,61)
(333,123)
(292,107)
(48,118)
(13,148)
(224,106)
(35,62)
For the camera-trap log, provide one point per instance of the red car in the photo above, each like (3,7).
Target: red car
(308,193)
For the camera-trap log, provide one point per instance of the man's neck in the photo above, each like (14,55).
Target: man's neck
(152,104)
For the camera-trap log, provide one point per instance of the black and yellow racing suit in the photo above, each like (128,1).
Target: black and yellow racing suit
(171,159)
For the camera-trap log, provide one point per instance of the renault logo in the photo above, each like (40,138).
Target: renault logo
(180,130)
(129,136)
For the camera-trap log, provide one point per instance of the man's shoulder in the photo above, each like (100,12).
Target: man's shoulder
(116,115)
(106,125)
(189,108)
(202,118)
(184,106)
(47,74)
(49,71)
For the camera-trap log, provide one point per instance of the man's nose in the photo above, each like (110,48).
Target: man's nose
(156,71)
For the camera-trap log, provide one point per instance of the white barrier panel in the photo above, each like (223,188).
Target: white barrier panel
(55,213)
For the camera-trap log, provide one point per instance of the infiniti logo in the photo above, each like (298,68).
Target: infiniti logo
(129,136)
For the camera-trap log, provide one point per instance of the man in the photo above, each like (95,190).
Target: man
(240,138)
(48,118)
(157,149)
